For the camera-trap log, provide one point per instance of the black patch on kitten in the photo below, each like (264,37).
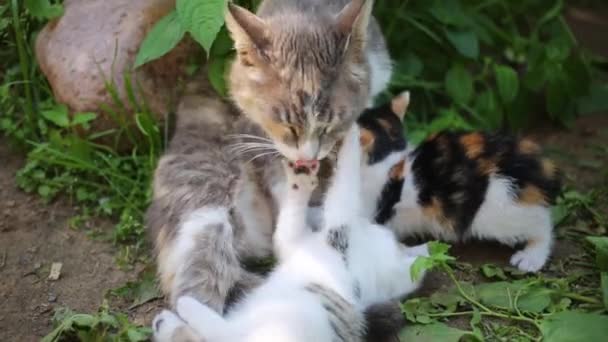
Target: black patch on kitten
(337,238)
(387,129)
(390,196)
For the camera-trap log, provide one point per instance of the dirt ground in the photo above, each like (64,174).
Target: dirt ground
(33,235)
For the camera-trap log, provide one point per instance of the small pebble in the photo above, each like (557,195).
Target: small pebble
(52,298)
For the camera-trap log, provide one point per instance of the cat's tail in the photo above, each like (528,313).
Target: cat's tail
(343,199)
(384,321)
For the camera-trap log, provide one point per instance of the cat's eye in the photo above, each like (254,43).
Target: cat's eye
(294,132)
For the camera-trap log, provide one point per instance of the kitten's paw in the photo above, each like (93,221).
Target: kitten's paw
(529,260)
(301,177)
(165,325)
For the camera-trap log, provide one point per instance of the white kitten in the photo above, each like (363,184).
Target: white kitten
(324,280)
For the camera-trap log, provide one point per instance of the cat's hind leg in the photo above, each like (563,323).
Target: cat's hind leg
(202,261)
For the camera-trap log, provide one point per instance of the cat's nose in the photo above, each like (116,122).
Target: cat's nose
(312,164)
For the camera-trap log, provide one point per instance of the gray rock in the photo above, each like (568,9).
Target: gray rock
(98,40)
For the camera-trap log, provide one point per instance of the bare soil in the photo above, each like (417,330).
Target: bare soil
(33,235)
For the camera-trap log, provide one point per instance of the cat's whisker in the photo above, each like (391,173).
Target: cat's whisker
(273,153)
(249,136)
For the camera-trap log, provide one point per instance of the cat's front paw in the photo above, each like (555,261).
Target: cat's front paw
(529,260)
(301,178)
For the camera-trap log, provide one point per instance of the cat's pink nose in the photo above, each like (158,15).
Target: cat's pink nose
(311,164)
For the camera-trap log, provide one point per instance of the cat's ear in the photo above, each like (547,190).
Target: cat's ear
(366,138)
(353,19)
(400,103)
(247,29)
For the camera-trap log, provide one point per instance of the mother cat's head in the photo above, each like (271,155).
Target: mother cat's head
(302,75)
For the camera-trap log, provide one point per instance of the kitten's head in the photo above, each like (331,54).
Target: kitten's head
(303,78)
(382,129)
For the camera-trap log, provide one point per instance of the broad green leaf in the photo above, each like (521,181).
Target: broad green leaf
(139,334)
(161,39)
(448,119)
(572,326)
(579,76)
(216,71)
(465,42)
(493,271)
(202,18)
(420,265)
(503,295)
(487,108)
(601,251)
(83,118)
(436,332)
(223,44)
(57,115)
(44,9)
(450,12)
(507,81)
(604,282)
(459,84)
(596,101)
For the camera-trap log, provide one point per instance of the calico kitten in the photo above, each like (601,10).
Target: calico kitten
(458,185)
(323,281)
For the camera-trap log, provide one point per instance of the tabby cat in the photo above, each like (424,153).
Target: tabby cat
(460,185)
(323,280)
(305,69)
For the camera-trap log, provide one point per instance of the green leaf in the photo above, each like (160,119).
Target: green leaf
(57,115)
(596,101)
(216,71)
(203,19)
(459,84)
(572,326)
(43,9)
(508,83)
(487,108)
(601,251)
(436,332)
(465,42)
(83,118)
(161,39)
(604,282)
(504,295)
(493,271)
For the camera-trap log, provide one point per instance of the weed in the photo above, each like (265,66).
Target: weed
(529,309)
(106,325)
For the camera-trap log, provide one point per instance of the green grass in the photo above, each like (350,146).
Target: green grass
(482,64)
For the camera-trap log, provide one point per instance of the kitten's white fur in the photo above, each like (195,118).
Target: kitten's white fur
(281,309)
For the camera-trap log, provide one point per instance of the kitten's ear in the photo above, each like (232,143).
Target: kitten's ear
(247,29)
(366,138)
(354,18)
(400,103)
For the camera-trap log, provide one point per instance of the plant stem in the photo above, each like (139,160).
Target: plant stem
(485,309)
(581,298)
(24,65)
